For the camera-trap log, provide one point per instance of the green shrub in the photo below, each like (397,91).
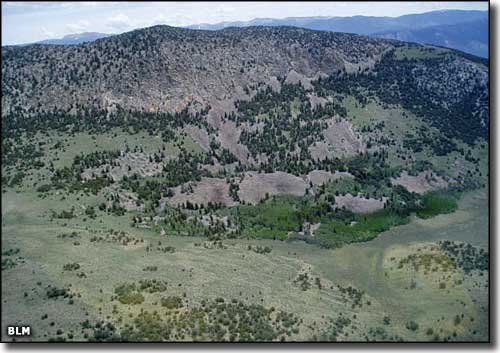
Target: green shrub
(412,325)
(172,302)
(54,292)
(71,266)
(129,294)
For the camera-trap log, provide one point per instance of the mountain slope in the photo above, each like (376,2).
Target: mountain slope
(164,67)
(169,69)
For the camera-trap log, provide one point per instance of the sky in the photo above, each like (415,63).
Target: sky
(27,22)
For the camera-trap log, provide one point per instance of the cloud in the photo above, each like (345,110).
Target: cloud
(162,19)
(119,22)
(45,33)
(226,9)
(80,26)
(37,6)
(34,7)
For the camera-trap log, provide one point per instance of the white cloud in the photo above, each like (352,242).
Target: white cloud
(79,26)
(226,9)
(46,33)
(163,19)
(119,22)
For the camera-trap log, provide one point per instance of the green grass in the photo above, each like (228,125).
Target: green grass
(87,143)
(61,149)
(419,52)
(398,123)
(190,145)
(280,216)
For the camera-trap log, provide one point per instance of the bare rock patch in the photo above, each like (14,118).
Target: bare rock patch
(206,190)
(318,177)
(359,204)
(421,183)
(340,140)
(255,186)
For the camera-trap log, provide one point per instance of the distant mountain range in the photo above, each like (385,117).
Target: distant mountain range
(360,24)
(458,29)
(76,38)
(470,37)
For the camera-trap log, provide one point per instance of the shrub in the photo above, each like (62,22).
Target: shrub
(54,292)
(129,294)
(412,325)
(71,266)
(172,302)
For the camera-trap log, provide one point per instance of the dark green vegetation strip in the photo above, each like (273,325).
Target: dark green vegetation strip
(356,228)
(272,219)
(434,204)
(280,216)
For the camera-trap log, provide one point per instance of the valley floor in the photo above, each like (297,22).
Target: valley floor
(364,291)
